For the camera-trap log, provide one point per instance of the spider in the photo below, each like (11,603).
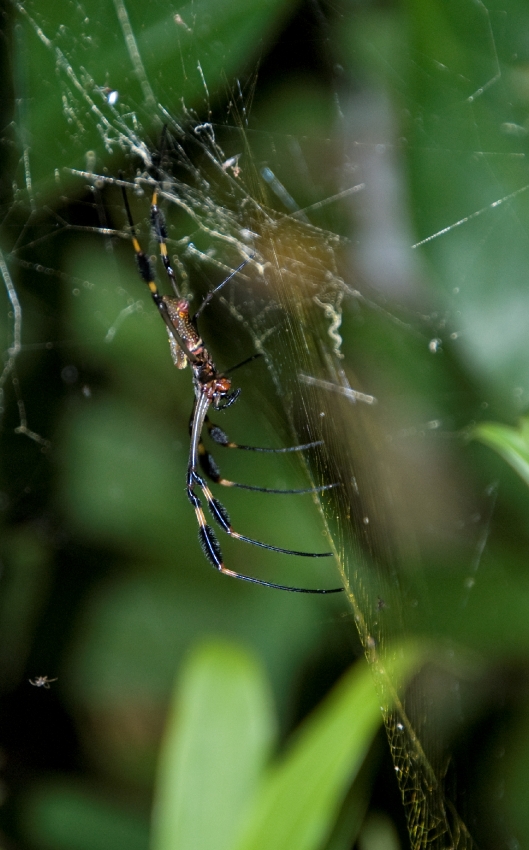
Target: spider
(41,682)
(212,389)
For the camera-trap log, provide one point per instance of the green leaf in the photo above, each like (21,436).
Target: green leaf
(213,790)
(302,795)
(218,737)
(511,443)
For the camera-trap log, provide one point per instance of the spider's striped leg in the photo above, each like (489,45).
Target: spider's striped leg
(147,275)
(208,539)
(211,469)
(211,547)
(221,438)
(220,515)
(160,232)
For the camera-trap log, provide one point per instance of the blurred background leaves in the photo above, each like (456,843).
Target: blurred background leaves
(103,584)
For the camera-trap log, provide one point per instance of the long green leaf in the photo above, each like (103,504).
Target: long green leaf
(218,737)
(302,795)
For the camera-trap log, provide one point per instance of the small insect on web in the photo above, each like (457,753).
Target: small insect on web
(42,682)
(212,389)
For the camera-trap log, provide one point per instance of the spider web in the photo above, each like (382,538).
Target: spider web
(227,197)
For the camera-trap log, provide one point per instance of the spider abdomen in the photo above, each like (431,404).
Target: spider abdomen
(178,311)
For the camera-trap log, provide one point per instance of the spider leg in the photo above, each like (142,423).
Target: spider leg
(208,539)
(147,275)
(219,436)
(211,469)
(212,551)
(160,232)
(220,515)
(214,291)
(243,363)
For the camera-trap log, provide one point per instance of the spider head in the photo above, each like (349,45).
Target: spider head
(228,399)
(221,393)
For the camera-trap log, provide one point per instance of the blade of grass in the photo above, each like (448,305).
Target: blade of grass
(218,737)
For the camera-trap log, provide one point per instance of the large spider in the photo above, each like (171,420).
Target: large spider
(212,389)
